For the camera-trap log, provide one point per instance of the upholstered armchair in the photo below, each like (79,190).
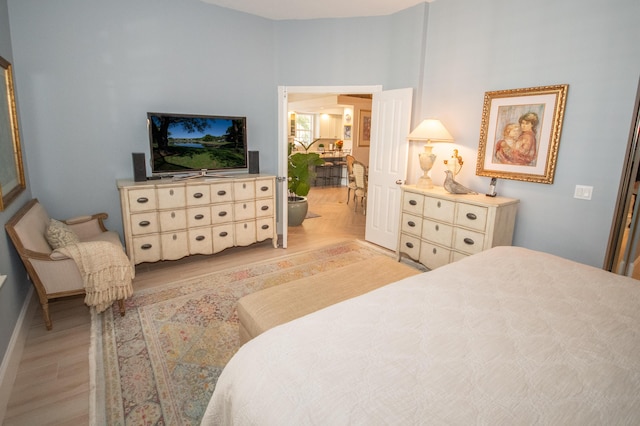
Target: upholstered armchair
(53,274)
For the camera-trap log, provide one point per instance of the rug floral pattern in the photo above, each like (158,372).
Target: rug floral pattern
(160,362)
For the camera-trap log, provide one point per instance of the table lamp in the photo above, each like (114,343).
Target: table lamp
(430,130)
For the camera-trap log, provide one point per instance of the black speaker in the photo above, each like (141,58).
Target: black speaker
(139,168)
(254,162)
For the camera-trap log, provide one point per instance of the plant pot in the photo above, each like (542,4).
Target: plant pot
(297,210)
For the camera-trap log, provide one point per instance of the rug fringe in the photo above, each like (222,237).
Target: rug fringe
(97,408)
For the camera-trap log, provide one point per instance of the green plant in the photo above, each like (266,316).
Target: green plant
(301,171)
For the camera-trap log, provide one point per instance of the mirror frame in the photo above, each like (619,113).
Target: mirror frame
(12,181)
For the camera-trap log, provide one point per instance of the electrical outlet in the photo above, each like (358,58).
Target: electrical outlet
(583,192)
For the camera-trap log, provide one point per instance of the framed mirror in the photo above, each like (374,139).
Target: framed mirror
(12,181)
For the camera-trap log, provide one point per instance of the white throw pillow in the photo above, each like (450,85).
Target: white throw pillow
(59,235)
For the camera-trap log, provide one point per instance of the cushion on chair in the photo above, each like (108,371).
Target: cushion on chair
(59,235)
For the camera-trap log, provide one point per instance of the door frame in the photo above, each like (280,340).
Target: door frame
(283,137)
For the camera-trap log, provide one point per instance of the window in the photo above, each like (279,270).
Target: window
(304,129)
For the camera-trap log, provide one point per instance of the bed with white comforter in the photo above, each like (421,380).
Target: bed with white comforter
(508,336)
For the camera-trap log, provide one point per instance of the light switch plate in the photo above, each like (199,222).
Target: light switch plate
(583,192)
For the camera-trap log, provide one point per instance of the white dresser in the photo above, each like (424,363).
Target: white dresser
(168,220)
(438,227)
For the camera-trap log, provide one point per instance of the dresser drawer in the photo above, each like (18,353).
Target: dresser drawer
(222,236)
(245,233)
(244,210)
(438,209)
(264,188)
(171,220)
(174,245)
(142,200)
(410,246)
(468,241)
(221,213)
(198,195)
(264,228)
(413,203)
(146,248)
(144,223)
(411,224)
(221,192)
(244,190)
(200,241)
(469,216)
(198,216)
(264,208)
(171,197)
(433,256)
(437,232)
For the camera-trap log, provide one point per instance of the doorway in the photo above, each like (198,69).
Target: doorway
(623,253)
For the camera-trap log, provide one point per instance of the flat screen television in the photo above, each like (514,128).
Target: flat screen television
(183,144)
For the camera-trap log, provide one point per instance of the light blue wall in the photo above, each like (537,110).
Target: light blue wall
(594,46)
(15,289)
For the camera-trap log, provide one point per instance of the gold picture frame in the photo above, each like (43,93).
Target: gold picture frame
(12,181)
(520,133)
(364,128)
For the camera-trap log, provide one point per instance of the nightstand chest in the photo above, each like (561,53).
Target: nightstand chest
(437,227)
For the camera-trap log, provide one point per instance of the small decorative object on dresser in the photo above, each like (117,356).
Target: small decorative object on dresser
(438,227)
(168,220)
(454,187)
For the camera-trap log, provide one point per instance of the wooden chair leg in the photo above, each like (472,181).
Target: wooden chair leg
(121,306)
(45,315)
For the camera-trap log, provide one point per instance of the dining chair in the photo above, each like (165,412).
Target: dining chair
(351,181)
(360,176)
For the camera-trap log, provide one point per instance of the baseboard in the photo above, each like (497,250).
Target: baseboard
(13,355)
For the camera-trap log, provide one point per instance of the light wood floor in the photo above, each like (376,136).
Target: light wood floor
(52,383)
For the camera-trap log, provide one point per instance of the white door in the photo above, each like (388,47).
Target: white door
(388,158)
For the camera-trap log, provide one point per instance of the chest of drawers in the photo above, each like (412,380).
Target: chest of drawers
(437,227)
(166,220)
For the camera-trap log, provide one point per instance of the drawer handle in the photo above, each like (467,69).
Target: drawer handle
(244,206)
(246,226)
(435,250)
(471,216)
(244,186)
(265,226)
(146,246)
(198,195)
(411,223)
(173,215)
(264,188)
(144,223)
(199,217)
(171,192)
(200,238)
(223,234)
(413,202)
(264,208)
(142,200)
(222,192)
(437,227)
(175,237)
(410,245)
(469,241)
(222,214)
(439,204)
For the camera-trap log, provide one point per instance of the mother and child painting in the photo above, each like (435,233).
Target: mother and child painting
(518,145)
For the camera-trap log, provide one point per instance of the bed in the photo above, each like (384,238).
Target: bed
(507,336)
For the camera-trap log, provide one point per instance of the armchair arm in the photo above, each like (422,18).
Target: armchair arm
(87,226)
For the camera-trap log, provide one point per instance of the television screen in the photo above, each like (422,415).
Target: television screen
(184,143)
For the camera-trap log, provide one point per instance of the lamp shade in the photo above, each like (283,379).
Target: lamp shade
(430,130)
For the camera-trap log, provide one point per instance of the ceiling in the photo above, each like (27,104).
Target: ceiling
(315,9)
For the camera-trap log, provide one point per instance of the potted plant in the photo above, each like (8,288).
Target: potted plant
(302,170)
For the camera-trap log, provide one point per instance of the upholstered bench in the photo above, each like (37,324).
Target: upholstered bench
(265,309)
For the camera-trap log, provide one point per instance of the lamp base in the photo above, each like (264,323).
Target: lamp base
(424,182)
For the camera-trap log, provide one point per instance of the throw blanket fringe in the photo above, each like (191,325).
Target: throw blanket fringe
(105,270)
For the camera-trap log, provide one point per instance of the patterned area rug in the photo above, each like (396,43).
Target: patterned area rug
(160,362)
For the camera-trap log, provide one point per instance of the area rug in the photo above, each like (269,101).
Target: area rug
(311,215)
(160,362)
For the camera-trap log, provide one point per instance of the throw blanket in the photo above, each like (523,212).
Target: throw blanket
(105,269)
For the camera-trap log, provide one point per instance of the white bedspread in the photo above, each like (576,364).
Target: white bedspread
(509,336)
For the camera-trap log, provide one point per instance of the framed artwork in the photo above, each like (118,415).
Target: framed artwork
(520,133)
(347,132)
(364,131)
(12,181)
